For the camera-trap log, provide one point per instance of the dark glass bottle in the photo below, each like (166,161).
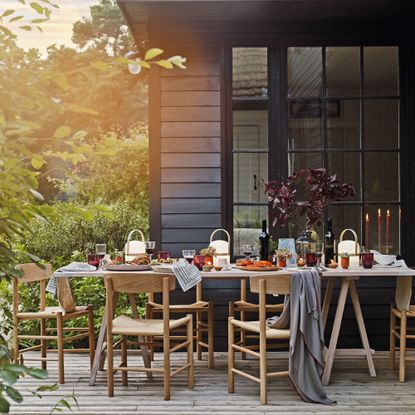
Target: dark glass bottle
(329,243)
(264,243)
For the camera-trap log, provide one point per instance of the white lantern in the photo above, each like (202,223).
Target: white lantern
(134,248)
(350,247)
(222,256)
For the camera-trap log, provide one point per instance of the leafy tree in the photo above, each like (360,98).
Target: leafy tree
(104,30)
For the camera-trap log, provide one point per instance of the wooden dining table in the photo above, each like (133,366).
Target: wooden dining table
(347,277)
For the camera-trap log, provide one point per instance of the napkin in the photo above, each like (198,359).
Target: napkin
(186,274)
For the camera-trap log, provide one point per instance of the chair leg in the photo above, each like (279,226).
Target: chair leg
(190,370)
(124,373)
(392,340)
(149,315)
(402,347)
(110,365)
(263,369)
(59,324)
(16,353)
(43,343)
(91,335)
(198,335)
(243,337)
(211,336)
(231,356)
(166,366)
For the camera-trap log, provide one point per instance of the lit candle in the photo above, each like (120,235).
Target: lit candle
(388,216)
(367,225)
(379,229)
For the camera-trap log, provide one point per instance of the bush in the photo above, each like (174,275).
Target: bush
(63,240)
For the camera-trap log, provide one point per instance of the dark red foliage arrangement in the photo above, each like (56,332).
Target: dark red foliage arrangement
(323,189)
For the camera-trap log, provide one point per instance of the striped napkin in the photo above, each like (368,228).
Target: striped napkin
(72,267)
(187,274)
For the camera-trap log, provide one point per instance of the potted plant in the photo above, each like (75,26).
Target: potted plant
(282,256)
(345,260)
(322,189)
(209,253)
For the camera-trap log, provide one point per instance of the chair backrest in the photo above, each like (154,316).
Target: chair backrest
(274,284)
(33,272)
(148,282)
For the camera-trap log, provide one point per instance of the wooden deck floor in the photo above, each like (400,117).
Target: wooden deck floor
(351,386)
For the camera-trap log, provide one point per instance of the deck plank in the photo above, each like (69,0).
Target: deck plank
(352,387)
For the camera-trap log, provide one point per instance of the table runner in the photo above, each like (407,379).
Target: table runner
(302,314)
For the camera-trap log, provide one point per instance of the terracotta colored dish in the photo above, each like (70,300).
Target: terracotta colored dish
(255,268)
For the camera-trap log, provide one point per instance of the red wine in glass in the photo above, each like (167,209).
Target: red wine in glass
(93,260)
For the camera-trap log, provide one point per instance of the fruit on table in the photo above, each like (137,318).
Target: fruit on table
(300,262)
(333,264)
(118,260)
(263,264)
(244,262)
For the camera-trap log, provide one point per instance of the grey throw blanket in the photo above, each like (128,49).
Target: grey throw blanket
(306,361)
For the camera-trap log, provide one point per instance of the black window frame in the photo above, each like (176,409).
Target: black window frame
(278,118)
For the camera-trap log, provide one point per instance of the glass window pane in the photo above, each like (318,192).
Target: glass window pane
(304,72)
(249,169)
(343,71)
(345,217)
(347,167)
(343,124)
(250,72)
(381,70)
(247,221)
(381,123)
(305,124)
(298,161)
(250,129)
(382,235)
(381,176)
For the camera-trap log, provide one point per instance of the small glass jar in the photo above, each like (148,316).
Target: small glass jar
(345,262)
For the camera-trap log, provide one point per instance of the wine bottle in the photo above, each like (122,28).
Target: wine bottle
(264,243)
(329,243)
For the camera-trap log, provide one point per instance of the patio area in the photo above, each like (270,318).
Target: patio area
(351,385)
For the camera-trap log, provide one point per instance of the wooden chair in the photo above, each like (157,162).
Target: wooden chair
(244,307)
(199,308)
(277,284)
(402,335)
(146,328)
(33,273)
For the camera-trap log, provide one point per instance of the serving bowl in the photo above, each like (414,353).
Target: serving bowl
(384,259)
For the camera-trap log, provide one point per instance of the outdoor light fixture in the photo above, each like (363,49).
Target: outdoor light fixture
(134,67)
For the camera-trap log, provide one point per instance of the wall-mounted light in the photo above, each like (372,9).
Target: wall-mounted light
(134,67)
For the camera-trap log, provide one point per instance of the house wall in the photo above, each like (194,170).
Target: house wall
(187,145)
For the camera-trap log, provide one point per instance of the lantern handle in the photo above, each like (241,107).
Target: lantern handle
(356,240)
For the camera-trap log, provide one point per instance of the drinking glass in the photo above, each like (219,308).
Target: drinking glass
(311,259)
(93,260)
(100,250)
(199,261)
(150,248)
(163,255)
(189,254)
(247,251)
(318,247)
(367,259)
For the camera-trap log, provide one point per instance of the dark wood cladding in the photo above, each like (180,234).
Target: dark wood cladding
(190,156)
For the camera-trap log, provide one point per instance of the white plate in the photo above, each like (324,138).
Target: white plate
(164,268)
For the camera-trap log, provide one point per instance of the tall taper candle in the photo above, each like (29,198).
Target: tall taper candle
(379,229)
(388,217)
(367,225)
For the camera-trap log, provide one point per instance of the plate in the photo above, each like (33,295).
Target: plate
(164,268)
(254,268)
(128,267)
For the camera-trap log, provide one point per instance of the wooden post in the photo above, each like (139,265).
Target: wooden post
(59,323)
(262,343)
(392,339)
(402,347)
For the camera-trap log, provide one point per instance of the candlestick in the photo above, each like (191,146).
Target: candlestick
(367,225)
(388,216)
(379,229)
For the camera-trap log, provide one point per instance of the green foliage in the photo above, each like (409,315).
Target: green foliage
(9,374)
(117,170)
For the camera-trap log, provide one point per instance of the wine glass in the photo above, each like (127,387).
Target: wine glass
(100,251)
(189,254)
(247,251)
(319,252)
(150,248)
